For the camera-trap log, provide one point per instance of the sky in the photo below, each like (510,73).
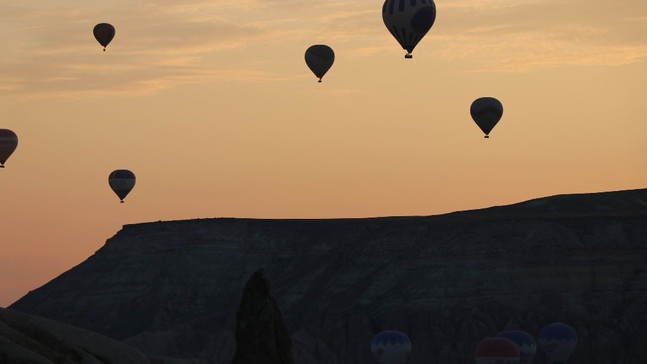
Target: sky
(211,105)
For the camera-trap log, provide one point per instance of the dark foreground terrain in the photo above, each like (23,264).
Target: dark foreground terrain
(27,339)
(173,288)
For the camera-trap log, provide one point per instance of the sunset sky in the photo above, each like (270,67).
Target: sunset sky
(211,105)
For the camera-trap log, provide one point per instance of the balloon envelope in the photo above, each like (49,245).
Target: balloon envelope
(525,342)
(104,32)
(558,341)
(486,112)
(122,182)
(390,347)
(496,350)
(319,59)
(8,143)
(408,20)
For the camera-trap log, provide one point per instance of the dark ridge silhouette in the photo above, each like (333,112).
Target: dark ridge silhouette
(172,289)
(261,335)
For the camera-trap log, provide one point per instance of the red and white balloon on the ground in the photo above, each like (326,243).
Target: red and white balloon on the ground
(497,350)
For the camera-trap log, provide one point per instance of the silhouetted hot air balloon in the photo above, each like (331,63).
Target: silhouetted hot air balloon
(122,182)
(525,342)
(104,33)
(558,341)
(408,21)
(319,59)
(390,347)
(496,350)
(486,112)
(8,143)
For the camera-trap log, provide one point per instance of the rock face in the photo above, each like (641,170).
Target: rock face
(173,288)
(261,335)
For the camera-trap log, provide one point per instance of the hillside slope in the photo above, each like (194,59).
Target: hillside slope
(26,339)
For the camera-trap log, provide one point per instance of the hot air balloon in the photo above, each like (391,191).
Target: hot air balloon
(558,341)
(486,112)
(408,21)
(525,342)
(104,33)
(319,59)
(496,350)
(390,347)
(122,182)
(8,143)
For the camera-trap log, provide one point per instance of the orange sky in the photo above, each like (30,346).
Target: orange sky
(211,105)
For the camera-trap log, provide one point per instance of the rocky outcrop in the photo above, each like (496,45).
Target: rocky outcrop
(173,288)
(261,335)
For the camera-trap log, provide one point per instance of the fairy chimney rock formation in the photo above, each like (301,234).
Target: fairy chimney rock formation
(261,335)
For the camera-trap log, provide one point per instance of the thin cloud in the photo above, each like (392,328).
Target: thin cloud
(535,34)
(51,49)
(58,55)
(90,79)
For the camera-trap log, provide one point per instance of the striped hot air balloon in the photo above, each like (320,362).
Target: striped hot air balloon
(408,21)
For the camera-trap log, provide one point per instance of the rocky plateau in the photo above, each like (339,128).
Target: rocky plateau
(173,289)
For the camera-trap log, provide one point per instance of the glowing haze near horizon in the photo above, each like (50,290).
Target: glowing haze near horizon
(211,105)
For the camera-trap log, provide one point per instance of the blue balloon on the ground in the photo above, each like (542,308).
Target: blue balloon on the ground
(558,341)
(390,347)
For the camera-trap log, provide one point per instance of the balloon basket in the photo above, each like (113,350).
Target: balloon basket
(122,201)
(2,166)
(408,56)
(319,81)
(487,137)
